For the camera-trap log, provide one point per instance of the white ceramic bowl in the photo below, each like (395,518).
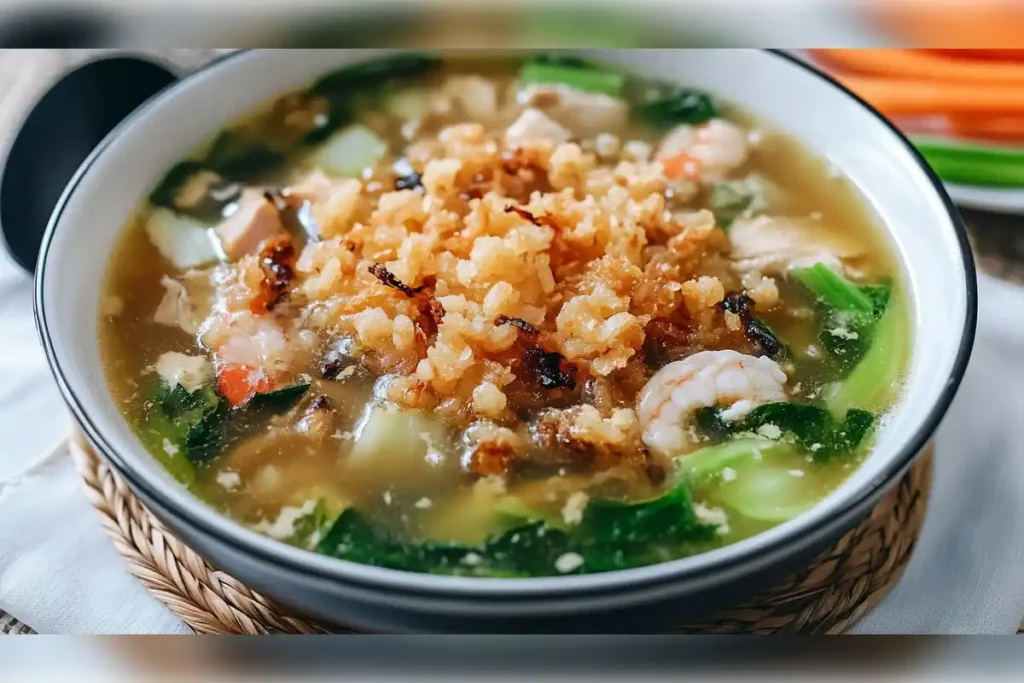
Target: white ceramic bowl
(925,229)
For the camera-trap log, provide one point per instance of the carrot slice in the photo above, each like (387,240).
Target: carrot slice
(238,383)
(949,25)
(682,165)
(923,65)
(915,97)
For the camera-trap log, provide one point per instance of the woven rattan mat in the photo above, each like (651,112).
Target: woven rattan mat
(839,586)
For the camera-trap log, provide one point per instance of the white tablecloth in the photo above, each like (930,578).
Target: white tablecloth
(60,574)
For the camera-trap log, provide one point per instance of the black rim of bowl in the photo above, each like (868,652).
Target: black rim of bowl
(900,462)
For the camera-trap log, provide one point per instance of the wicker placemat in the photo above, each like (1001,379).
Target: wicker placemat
(832,593)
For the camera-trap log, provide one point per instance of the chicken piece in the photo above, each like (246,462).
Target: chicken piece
(254,220)
(175,310)
(534,128)
(587,114)
(332,203)
(772,245)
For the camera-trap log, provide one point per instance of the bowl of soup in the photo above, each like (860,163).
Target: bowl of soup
(480,341)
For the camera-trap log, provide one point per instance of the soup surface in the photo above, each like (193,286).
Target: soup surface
(504,318)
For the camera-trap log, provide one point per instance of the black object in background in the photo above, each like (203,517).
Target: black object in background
(62,129)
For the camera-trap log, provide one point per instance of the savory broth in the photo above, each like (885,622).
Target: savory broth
(504,318)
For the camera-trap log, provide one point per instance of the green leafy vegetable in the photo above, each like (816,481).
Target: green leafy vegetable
(679,105)
(165,192)
(342,87)
(573,74)
(813,427)
(875,376)
(373,74)
(192,189)
(703,464)
(199,425)
(761,487)
(611,536)
(234,154)
(834,290)
(309,529)
(768,494)
(849,312)
(278,400)
(731,199)
(192,423)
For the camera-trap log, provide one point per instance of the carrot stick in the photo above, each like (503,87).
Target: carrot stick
(996,128)
(1007,55)
(910,97)
(922,65)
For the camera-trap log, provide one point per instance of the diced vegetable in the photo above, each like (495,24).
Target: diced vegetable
(183,241)
(349,151)
(679,105)
(611,536)
(575,75)
(402,444)
(235,154)
(235,383)
(874,376)
(408,104)
(682,165)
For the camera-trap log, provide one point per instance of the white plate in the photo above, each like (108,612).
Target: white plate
(1000,200)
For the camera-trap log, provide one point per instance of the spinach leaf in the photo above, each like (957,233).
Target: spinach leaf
(813,427)
(611,536)
(278,400)
(192,423)
(235,154)
(373,74)
(340,88)
(201,424)
(679,105)
(178,188)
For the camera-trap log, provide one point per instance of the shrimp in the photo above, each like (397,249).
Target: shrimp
(706,379)
(717,146)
